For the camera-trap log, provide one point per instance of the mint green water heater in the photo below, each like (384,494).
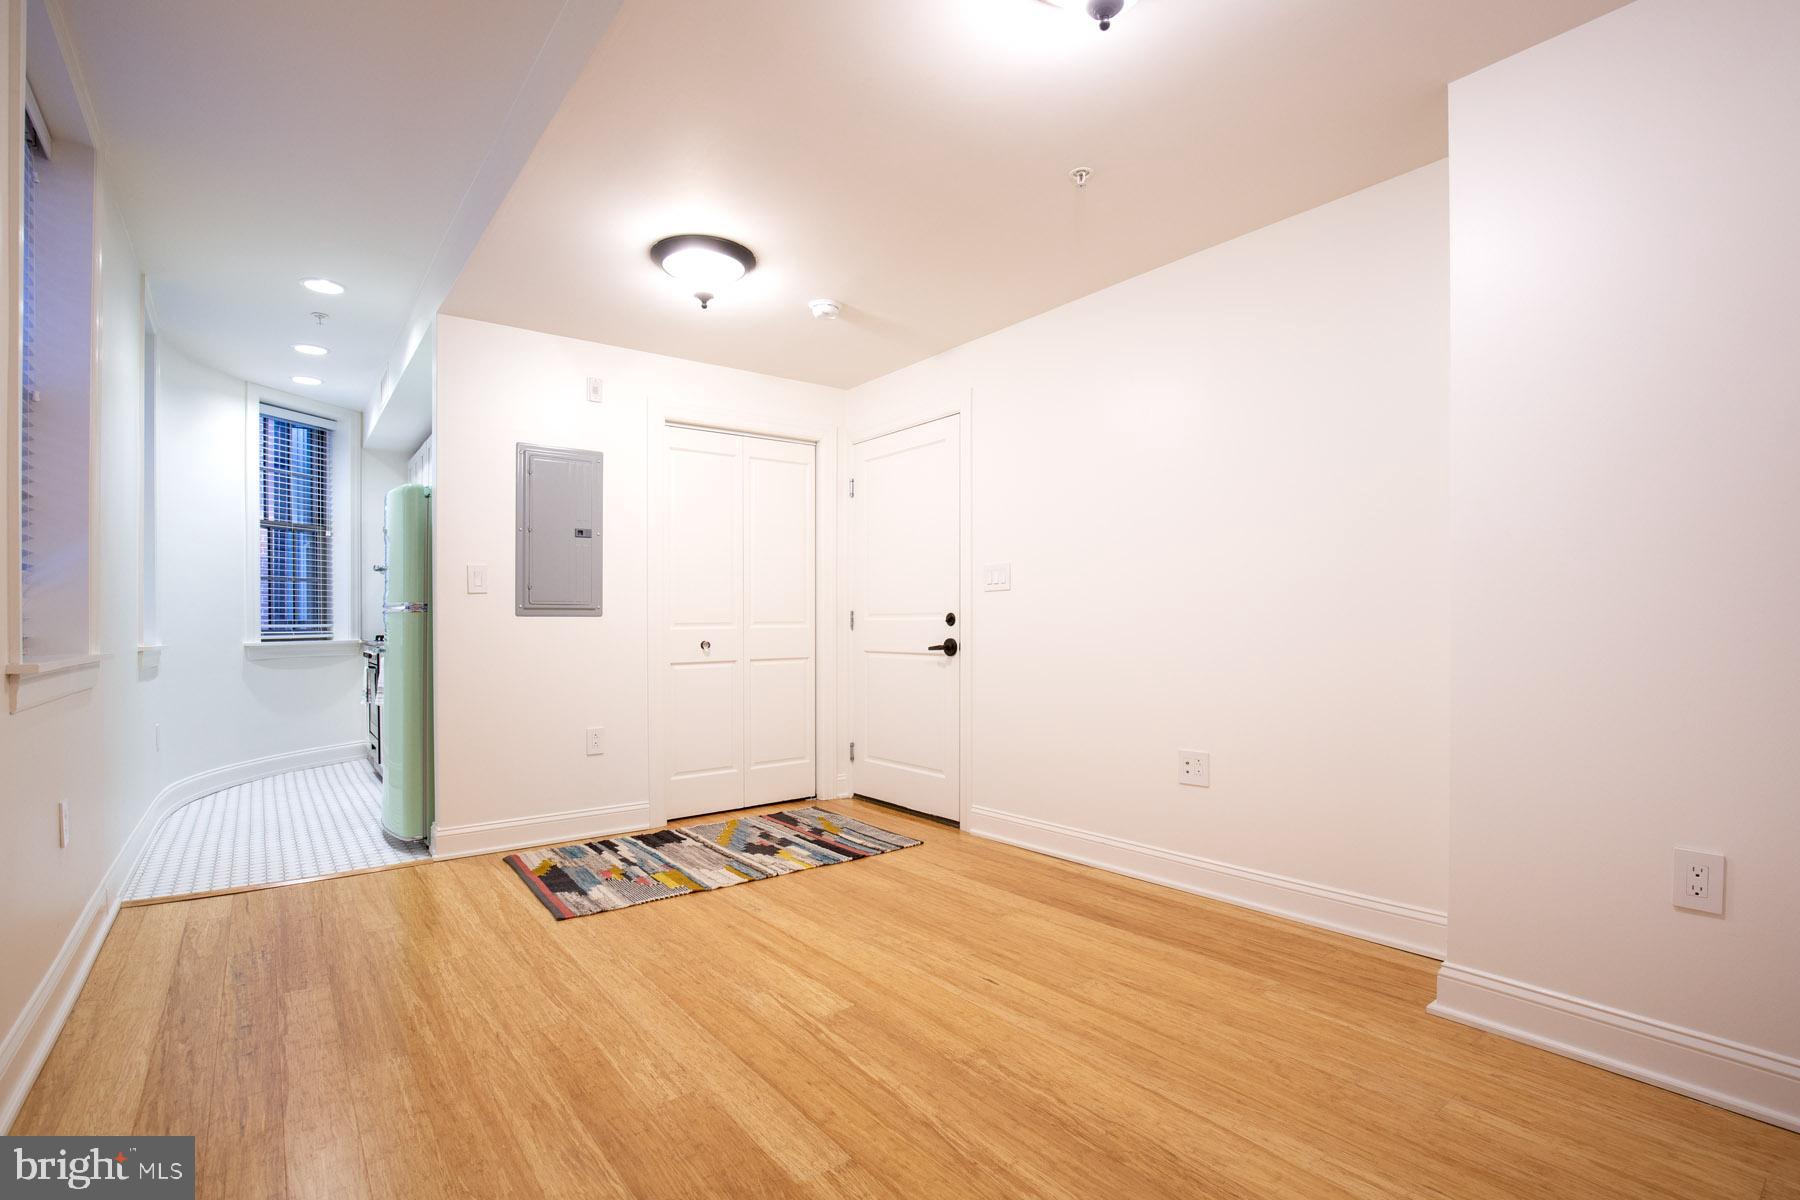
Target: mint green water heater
(406,802)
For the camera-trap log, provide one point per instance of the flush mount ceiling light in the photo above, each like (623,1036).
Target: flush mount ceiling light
(324,287)
(306,381)
(703,262)
(310,350)
(826,310)
(1102,11)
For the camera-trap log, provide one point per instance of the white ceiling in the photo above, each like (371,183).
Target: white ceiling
(252,143)
(909,158)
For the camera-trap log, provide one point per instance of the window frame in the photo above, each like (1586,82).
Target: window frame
(42,679)
(345,489)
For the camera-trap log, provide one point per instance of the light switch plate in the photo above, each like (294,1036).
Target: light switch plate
(477,579)
(1699,880)
(997,577)
(596,389)
(1196,768)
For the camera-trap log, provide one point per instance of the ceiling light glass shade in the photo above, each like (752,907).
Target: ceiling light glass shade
(703,262)
(306,381)
(1097,10)
(310,350)
(324,287)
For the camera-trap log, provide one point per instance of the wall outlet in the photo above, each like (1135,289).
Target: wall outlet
(596,389)
(62,824)
(997,577)
(1699,880)
(1196,768)
(477,579)
(596,740)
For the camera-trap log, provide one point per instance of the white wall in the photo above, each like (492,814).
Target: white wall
(220,706)
(382,471)
(1626,267)
(514,695)
(93,749)
(1221,487)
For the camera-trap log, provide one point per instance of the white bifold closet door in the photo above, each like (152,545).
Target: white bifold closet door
(738,707)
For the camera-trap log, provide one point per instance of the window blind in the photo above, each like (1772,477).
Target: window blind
(55,377)
(33,469)
(295,551)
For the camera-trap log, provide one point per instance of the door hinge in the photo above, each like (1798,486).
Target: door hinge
(853,487)
(853,618)
(852,751)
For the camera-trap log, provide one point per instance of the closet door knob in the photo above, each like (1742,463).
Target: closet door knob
(706,647)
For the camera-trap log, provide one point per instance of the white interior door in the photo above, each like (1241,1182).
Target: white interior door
(778,621)
(738,709)
(906,531)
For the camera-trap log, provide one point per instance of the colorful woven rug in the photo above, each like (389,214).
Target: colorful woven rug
(599,876)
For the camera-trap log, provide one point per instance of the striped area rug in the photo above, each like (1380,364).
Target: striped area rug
(590,877)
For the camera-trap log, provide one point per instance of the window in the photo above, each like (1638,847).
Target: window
(294,551)
(56,398)
(303,526)
(52,461)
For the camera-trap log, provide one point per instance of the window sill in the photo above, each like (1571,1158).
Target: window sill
(30,684)
(333,647)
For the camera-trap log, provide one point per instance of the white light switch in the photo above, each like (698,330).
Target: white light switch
(1196,768)
(596,389)
(477,579)
(997,577)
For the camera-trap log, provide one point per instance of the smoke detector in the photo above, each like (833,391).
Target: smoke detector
(826,310)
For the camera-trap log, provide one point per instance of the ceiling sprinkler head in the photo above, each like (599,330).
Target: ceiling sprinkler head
(1080,176)
(705,298)
(319,317)
(826,310)
(1104,11)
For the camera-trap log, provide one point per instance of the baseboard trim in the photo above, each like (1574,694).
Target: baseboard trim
(1745,1079)
(28,1042)
(1403,926)
(517,833)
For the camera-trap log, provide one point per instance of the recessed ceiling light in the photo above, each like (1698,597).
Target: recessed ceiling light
(1102,11)
(324,287)
(826,310)
(703,262)
(306,381)
(314,351)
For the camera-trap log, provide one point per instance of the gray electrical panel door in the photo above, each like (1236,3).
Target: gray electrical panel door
(558,549)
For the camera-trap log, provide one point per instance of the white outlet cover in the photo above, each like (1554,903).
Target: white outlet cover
(596,740)
(596,389)
(1196,768)
(1699,880)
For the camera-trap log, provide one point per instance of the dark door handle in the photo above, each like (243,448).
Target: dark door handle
(948,646)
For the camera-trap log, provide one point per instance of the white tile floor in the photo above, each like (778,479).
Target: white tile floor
(295,825)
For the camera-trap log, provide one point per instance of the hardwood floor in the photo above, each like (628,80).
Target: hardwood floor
(959,1019)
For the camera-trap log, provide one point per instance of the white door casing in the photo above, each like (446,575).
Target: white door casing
(906,544)
(738,700)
